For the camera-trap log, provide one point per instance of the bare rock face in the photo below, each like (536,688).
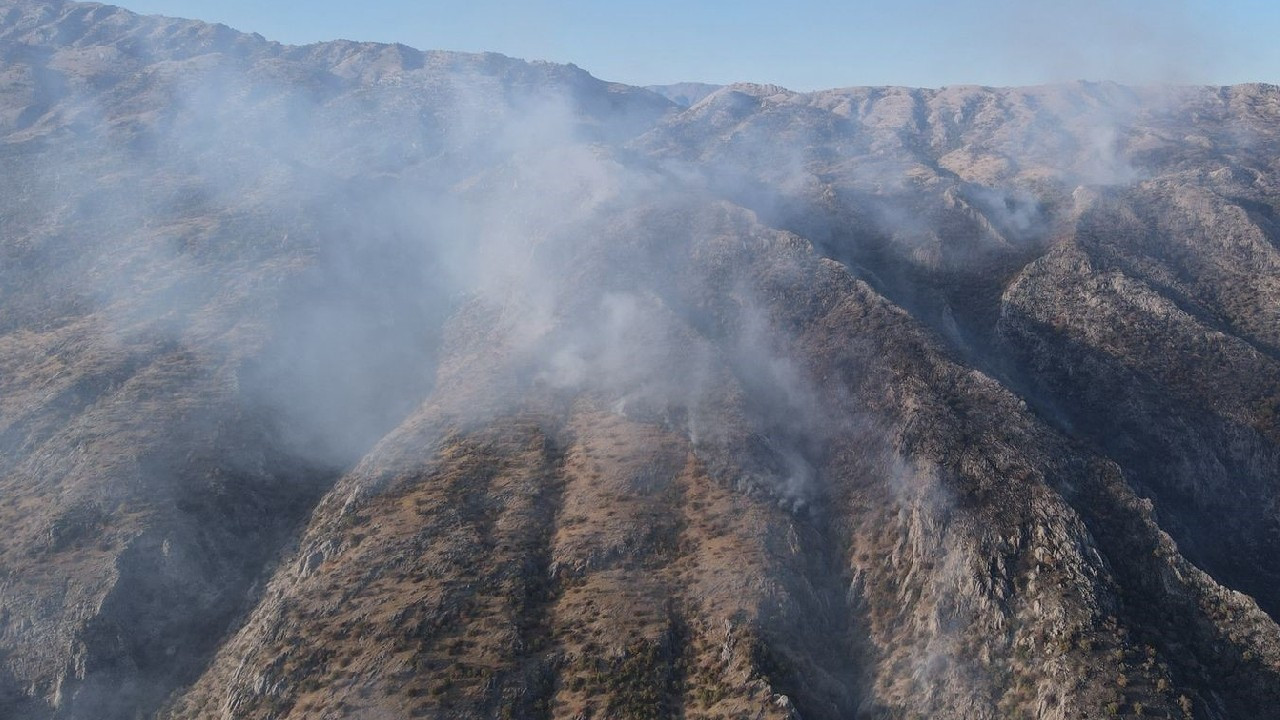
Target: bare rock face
(350,380)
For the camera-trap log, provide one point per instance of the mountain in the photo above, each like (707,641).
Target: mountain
(349,380)
(684,94)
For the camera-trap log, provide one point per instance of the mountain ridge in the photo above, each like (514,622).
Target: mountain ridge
(348,380)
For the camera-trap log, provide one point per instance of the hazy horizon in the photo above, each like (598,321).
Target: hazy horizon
(811,45)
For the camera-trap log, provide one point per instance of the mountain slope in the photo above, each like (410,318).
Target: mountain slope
(350,380)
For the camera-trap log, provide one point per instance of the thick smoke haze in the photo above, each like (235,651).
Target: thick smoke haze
(305,239)
(335,205)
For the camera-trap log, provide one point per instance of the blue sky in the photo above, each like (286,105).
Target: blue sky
(806,44)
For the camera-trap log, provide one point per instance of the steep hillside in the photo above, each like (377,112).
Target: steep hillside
(350,380)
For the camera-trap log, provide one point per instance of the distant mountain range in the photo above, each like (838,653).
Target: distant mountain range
(684,94)
(355,381)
